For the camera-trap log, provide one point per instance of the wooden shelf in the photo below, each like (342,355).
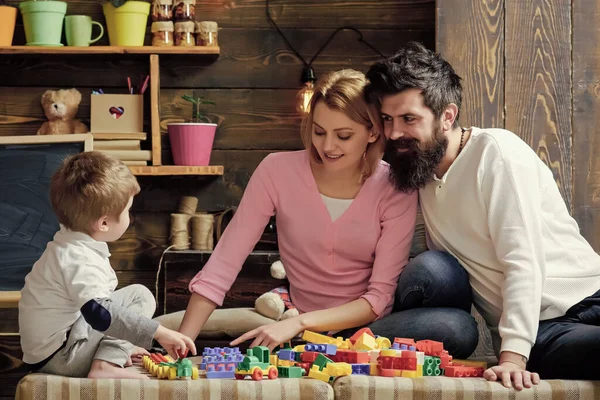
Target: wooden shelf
(10,299)
(156,168)
(109,50)
(176,170)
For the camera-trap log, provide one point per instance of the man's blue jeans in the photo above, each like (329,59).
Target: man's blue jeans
(433,301)
(568,347)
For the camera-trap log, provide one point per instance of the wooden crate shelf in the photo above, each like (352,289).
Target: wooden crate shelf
(165,170)
(156,167)
(197,50)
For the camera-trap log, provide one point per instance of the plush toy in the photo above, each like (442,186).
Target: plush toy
(60,107)
(276,304)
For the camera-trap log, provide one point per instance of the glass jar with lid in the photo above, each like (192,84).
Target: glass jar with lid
(162,33)
(184,10)
(162,10)
(184,33)
(207,34)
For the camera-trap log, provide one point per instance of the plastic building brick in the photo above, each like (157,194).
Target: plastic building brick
(315,373)
(309,356)
(446,359)
(406,363)
(338,369)
(351,357)
(470,363)
(361,369)
(463,372)
(321,361)
(329,349)
(287,354)
(373,355)
(359,333)
(397,346)
(431,366)
(305,366)
(313,337)
(407,342)
(220,372)
(430,347)
(374,369)
(388,353)
(290,372)
(213,351)
(382,342)
(365,342)
(214,361)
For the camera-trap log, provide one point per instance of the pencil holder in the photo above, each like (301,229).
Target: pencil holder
(117,113)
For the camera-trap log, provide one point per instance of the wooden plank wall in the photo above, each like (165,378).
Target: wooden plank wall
(532,67)
(586,118)
(253,82)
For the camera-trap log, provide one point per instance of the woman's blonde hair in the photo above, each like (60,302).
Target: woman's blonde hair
(343,91)
(88,186)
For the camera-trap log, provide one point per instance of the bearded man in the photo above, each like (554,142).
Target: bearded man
(492,206)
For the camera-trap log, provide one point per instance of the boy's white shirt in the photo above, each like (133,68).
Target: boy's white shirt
(498,210)
(73,269)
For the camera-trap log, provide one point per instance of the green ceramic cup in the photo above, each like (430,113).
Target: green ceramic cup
(78,30)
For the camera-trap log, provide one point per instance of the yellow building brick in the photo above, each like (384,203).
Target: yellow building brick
(383,343)
(365,342)
(374,370)
(317,338)
(320,375)
(339,369)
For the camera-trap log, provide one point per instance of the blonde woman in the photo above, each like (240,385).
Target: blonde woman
(344,233)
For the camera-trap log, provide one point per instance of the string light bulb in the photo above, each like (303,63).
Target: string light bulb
(306,93)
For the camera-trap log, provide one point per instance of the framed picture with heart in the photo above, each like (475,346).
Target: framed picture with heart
(117,113)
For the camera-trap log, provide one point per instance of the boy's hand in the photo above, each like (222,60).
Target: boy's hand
(173,342)
(137,353)
(136,356)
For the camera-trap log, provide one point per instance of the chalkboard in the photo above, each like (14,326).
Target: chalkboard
(27,221)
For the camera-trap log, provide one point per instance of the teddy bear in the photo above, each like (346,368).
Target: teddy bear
(60,107)
(276,304)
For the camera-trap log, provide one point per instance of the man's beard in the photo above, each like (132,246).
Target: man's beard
(414,168)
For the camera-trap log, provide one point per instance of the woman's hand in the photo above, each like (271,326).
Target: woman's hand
(272,335)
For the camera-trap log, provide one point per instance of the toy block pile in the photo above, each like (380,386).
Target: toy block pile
(164,367)
(220,362)
(326,358)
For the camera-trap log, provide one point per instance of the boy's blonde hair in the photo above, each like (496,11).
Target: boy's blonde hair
(343,91)
(88,186)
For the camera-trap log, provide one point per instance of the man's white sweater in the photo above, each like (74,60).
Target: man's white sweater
(498,210)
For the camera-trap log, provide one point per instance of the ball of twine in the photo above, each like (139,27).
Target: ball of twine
(180,234)
(187,205)
(202,231)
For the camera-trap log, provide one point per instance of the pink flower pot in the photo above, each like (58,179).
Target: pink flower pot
(191,143)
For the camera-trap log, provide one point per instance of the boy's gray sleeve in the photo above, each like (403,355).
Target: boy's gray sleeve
(113,320)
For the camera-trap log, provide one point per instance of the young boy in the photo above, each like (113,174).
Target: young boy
(72,322)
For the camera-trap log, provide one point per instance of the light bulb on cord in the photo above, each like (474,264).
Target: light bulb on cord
(306,93)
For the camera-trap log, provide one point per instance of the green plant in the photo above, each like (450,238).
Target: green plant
(198,114)
(119,3)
